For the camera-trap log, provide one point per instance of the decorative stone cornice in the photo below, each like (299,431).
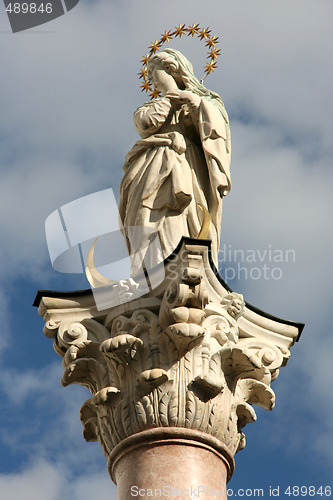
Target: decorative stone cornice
(190,354)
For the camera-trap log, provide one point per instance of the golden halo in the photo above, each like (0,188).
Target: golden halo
(203,34)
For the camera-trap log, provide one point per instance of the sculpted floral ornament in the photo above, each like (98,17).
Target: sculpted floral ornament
(182,357)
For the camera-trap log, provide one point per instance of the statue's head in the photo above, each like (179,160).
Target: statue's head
(178,71)
(176,65)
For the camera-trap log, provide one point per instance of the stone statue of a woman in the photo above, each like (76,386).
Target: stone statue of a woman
(180,163)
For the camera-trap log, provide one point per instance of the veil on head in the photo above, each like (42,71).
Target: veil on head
(185,71)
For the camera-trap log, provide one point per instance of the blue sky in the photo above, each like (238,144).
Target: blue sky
(68,90)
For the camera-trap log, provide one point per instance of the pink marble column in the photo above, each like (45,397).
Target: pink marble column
(171,463)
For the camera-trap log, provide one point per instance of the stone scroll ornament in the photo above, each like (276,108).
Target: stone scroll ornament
(190,353)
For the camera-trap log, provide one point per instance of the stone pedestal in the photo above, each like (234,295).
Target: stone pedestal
(174,374)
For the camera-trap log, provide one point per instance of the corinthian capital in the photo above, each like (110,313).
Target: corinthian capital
(190,355)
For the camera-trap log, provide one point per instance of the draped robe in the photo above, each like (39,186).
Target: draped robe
(181,160)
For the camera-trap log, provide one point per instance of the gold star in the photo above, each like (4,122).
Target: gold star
(210,67)
(180,30)
(212,41)
(146,58)
(214,53)
(145,86)
(154,93)
(155,46)
(204,33)
(143,73)
(167,35)
(193,30)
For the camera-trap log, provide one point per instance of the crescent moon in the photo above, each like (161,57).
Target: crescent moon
(95,278)
(204,231)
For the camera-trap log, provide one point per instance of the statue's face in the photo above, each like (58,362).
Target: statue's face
(163,81)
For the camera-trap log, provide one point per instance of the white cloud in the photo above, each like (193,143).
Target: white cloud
(4,320)
(276,200)
(46,420)
(41,480)
(93,486)
(25,202)
(19,385)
